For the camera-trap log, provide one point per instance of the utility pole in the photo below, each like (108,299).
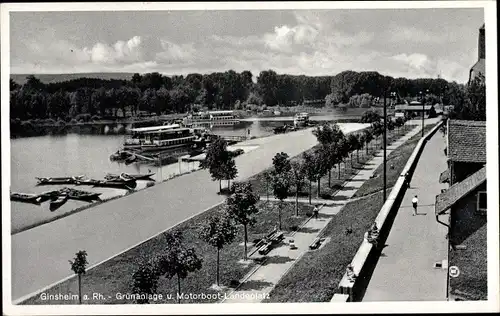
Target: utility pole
(385,145)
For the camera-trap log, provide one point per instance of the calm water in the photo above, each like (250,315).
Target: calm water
(74,154)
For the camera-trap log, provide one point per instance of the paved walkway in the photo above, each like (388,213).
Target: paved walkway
(281,259)
(405,270)
(40,255)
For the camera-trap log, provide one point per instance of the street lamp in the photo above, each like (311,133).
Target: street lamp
(423,111)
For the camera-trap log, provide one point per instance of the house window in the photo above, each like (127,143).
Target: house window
(481,201)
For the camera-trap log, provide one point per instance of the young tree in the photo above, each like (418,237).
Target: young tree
(370,117)
(399,122)
(229,171)
(298,176)
(218,232)
(353,144)
(241,206)
(362,142)
(281,163)
(321,156)
(368,138)
(281,190)
(145,281)
(78,265)
(216,160)
(311,171)
(177,260)
(268,177)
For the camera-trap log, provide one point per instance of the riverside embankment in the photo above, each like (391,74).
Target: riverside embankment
(40,255)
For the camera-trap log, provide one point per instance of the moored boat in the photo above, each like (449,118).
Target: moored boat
(25,197)
(79,195)
(146,176)
(130,159)
(58,202)
(58,180)
(130,184)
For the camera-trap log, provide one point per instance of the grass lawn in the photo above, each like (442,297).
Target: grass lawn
(315,277)
(115,275)
(472,283)
(397,159)
(337,179)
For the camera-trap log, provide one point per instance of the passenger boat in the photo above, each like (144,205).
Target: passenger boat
(301,119)
(60,180)
(58,202)
(160,138)
(25,197)
(211,119)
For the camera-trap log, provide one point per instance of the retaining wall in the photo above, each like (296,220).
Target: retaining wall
(366,257)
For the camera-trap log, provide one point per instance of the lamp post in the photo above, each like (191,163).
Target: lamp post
(423,110)
(385,145)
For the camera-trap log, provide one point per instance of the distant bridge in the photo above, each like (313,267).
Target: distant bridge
(233,138)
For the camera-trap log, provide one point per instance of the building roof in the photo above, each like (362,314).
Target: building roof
(405,107)
(459,190)
(467,141)
(479,67)
(444,177)
(154,128)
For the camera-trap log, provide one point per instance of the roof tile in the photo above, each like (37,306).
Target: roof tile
(467,141)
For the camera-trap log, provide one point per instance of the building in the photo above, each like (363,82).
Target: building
(465,203)
(412,110)
(479,68)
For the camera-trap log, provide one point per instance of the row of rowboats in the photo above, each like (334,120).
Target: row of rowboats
(124,180)
(56,197)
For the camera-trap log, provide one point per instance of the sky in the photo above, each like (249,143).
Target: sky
(412,43)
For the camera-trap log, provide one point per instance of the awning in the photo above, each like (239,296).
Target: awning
(459,190)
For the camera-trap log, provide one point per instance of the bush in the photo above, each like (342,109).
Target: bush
(150,184)
(83,117)
(50,121)
(73,121)
(95,118)
(294,228)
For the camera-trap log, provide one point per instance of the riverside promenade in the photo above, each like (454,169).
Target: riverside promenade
(280,260)
(40,255)
(405,271)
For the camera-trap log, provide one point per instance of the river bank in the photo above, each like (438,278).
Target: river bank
(95,125)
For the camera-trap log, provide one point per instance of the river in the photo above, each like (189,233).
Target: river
(76,154)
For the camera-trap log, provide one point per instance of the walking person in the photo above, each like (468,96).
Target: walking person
(316,211)
(414,201)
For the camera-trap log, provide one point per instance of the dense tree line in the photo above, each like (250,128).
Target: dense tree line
(154,93)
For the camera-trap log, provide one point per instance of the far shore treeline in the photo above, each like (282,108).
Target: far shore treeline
(158,94)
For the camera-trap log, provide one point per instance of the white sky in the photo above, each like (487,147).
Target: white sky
(397,42)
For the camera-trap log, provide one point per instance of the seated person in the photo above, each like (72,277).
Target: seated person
(351,276)
(372,234)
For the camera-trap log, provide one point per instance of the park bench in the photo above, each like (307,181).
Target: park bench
(277,237)
(316,243)
(266,243)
